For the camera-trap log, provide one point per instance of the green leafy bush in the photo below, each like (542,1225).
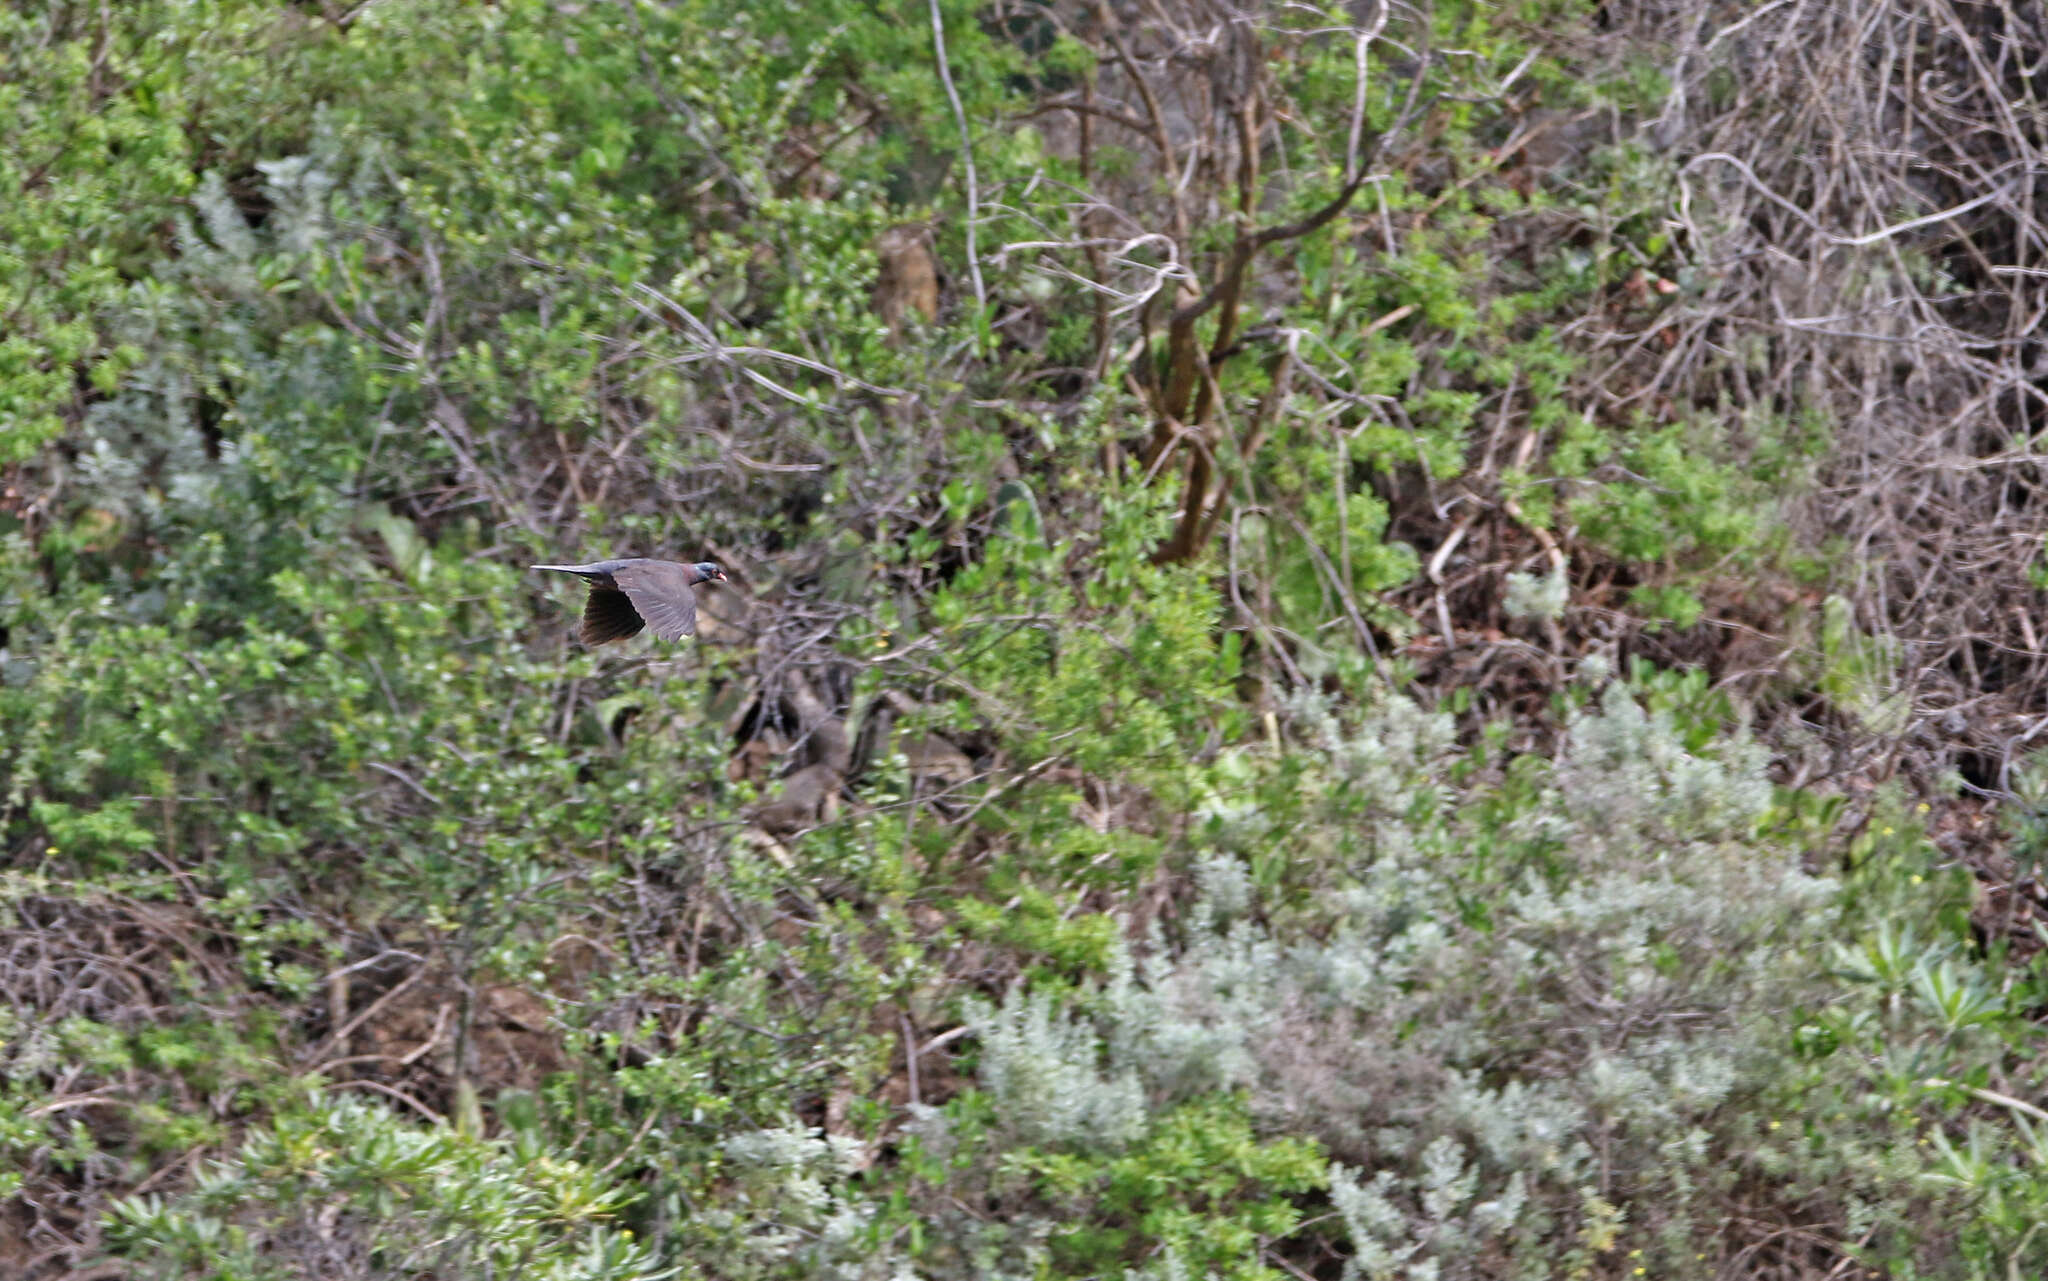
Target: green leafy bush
(1187,919)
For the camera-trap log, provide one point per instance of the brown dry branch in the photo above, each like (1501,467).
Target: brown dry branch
(1195,84)
(1864,208)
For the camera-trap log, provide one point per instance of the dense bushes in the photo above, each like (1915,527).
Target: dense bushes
(1162,796)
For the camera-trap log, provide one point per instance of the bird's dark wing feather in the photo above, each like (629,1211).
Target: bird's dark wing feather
(609,616)
(660,590)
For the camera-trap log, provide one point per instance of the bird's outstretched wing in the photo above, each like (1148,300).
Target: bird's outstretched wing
(609,616)
(660,591)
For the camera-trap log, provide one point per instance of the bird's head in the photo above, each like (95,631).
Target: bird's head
(708,572)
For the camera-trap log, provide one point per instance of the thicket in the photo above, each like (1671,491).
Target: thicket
(1367,641)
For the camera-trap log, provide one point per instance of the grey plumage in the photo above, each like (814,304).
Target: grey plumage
(627,595)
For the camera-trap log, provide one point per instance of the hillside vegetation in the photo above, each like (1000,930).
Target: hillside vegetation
(1381,641)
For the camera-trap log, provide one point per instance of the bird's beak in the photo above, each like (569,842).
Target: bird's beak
(718,577)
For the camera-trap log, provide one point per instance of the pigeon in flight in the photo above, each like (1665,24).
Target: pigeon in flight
(627,595)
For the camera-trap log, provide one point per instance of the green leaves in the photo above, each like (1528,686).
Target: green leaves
(1860,672)
(350,910)
(412,1196)
(75,224)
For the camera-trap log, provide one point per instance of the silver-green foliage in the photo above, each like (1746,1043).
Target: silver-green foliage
(1039,1068)
(791,1210)
(1505,1023)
